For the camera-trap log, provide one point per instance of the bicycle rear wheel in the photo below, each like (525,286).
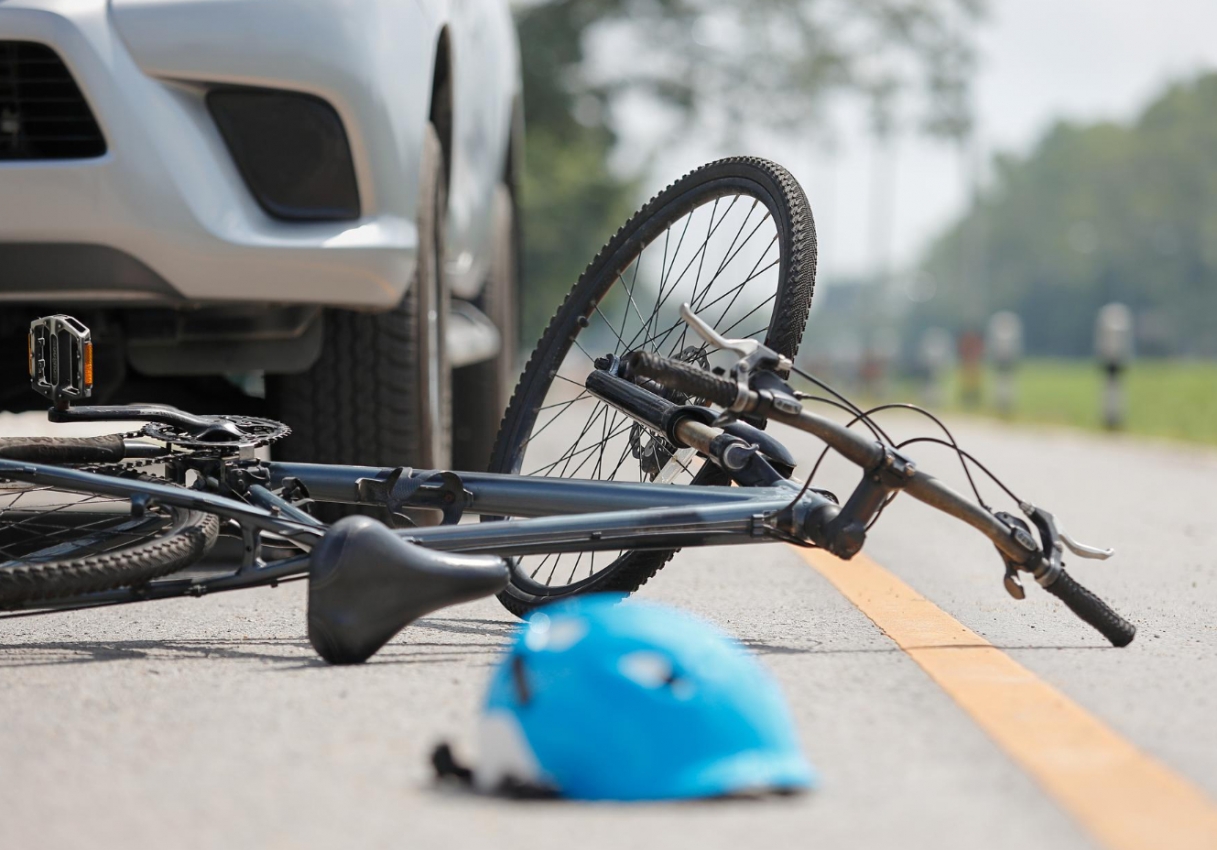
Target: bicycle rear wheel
(735,239)
(56,542)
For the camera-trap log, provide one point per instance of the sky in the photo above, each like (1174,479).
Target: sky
(1039,61)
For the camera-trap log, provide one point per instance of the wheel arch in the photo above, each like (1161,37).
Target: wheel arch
(440,112)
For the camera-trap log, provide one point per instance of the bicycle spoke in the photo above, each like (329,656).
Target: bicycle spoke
(741,319)
(604,429)
(624,454)
(701,307)
(611,328)
(570,455)
(575,472)
(663,297)
(575,568)
(538,432)
(41,524)
(591,448)
(735,291)
(579,397)
(656,341)
(630,297)
(540,565)
(570,452)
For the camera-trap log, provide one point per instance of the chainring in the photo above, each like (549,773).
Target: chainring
(257,433)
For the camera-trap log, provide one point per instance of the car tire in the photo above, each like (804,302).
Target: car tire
(380,394)
(480,392)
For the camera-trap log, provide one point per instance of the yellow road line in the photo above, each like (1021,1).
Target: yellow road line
(1125,798)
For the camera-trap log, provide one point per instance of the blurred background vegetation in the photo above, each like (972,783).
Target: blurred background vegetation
(1095,213)
(1169,398)
(1092,213)
(715,66)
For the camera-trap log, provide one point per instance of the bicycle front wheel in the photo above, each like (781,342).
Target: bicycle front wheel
(736,241)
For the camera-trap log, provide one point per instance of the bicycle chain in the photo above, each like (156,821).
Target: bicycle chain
(138,463)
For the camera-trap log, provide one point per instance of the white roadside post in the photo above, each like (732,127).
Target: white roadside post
(1113,345)
(882,353)
(847,360)
(935,351)
(1005,346)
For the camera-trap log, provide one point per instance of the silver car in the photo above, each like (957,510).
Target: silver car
(312,200)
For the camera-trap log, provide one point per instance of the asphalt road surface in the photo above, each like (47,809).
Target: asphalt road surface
(210,723)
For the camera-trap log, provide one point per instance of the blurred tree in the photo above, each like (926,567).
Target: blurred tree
(1096,213)
(722,67)
(570,201)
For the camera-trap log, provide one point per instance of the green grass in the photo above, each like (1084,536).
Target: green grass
(1165,398)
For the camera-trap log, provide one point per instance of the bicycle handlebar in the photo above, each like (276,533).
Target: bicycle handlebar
(687,378)
(870,455)
(1092,609)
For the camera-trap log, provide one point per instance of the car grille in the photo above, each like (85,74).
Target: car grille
(43,115)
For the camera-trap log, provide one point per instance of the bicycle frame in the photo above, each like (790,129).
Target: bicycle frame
(572,515)
(550,515)
(565,515)
(555,516)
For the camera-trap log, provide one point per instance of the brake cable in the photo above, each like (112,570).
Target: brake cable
(865,416)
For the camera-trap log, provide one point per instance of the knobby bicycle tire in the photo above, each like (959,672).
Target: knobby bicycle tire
(764,181)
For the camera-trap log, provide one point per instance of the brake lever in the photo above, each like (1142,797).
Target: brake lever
(1053,541)
(752,354)
(1082,550)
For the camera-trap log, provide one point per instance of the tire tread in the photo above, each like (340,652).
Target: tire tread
(153,559)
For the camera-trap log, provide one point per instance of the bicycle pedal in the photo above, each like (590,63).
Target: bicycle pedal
(60,351)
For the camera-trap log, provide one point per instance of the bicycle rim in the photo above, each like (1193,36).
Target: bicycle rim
(734,240)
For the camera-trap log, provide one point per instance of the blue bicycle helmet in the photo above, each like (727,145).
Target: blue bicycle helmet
(602,701)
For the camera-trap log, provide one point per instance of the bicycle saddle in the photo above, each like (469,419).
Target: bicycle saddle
(366,584)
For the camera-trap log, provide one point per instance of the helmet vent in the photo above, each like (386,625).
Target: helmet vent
(649,669)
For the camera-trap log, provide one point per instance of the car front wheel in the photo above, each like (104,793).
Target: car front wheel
(380,393)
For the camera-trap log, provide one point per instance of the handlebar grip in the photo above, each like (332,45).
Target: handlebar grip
(1092,609)
(687,378)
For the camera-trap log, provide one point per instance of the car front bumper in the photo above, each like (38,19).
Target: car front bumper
(167,197)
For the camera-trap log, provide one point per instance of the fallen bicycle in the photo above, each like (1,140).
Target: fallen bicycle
(673,452)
